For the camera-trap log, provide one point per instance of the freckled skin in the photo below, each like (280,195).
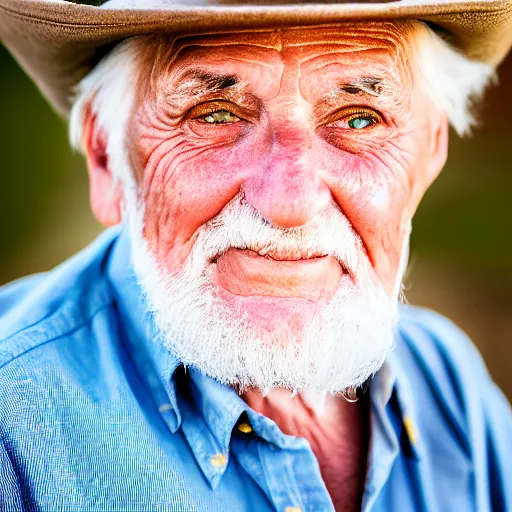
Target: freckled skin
(291,153)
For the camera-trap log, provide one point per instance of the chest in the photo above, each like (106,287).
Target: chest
(344,484)
(79,453)
(343,471)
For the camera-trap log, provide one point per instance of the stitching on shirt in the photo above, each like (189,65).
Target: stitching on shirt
(27,334)
(61,310)
(44,318)
(78,304)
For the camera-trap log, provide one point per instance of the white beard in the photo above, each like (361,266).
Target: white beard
(339,347)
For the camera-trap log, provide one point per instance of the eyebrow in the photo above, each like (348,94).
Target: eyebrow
(366,85)
(199,83)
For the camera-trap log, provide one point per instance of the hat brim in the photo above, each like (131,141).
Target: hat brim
(58,42)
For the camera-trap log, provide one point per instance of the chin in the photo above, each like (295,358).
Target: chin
(270,314)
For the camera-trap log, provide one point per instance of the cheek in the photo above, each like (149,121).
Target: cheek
(374,192)
(184,185)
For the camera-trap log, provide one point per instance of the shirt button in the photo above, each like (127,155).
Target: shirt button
(410,428)
(218,460)
(165,408)
(292,509)
(245,428)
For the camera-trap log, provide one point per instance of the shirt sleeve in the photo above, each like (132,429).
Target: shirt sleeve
(10,489)
(466,391)
(490,429)
(498,443)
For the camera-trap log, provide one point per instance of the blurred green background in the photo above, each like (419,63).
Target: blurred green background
(462,237)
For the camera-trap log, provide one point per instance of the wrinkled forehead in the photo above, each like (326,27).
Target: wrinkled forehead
(377,51)
(300,44)
(390,36)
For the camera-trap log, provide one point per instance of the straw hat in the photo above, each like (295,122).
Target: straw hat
(57,42)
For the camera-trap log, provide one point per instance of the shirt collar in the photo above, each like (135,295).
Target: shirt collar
(209,424)
(407,407)
(393,423)
(210,411)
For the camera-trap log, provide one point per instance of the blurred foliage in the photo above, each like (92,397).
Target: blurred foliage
(461,242)
(39,176)
(32,141)
(465,218)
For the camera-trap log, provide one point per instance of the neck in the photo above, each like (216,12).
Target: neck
(336,430)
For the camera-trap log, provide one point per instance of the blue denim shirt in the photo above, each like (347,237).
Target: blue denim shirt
(96,416)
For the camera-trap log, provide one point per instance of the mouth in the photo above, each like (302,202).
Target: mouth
(284,274)
(283,255)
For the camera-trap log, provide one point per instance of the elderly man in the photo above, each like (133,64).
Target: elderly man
(233,341)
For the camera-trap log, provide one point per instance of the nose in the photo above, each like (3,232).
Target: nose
(287,187)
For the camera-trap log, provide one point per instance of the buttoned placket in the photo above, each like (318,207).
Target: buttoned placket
(219,425)
(284,467)
(294,479)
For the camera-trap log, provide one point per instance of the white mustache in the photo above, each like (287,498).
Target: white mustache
(241,226)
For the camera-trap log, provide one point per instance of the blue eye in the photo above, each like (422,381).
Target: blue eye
(360,122)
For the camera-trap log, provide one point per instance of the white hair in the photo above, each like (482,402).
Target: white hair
(453,82)
(109,91)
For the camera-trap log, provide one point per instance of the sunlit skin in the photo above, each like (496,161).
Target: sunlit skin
(295,119)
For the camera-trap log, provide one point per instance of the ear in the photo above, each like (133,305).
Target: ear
(105,194)
(438,147)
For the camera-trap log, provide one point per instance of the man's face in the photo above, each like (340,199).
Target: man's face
(305,130)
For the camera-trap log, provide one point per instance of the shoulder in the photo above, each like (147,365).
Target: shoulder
(464,419)
(439,345)
(449,381)
(440,359)
(441,368)
(38,309)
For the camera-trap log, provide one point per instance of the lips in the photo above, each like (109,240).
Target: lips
(285,255)
(290,274)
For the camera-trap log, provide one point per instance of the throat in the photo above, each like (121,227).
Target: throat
(336,430)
